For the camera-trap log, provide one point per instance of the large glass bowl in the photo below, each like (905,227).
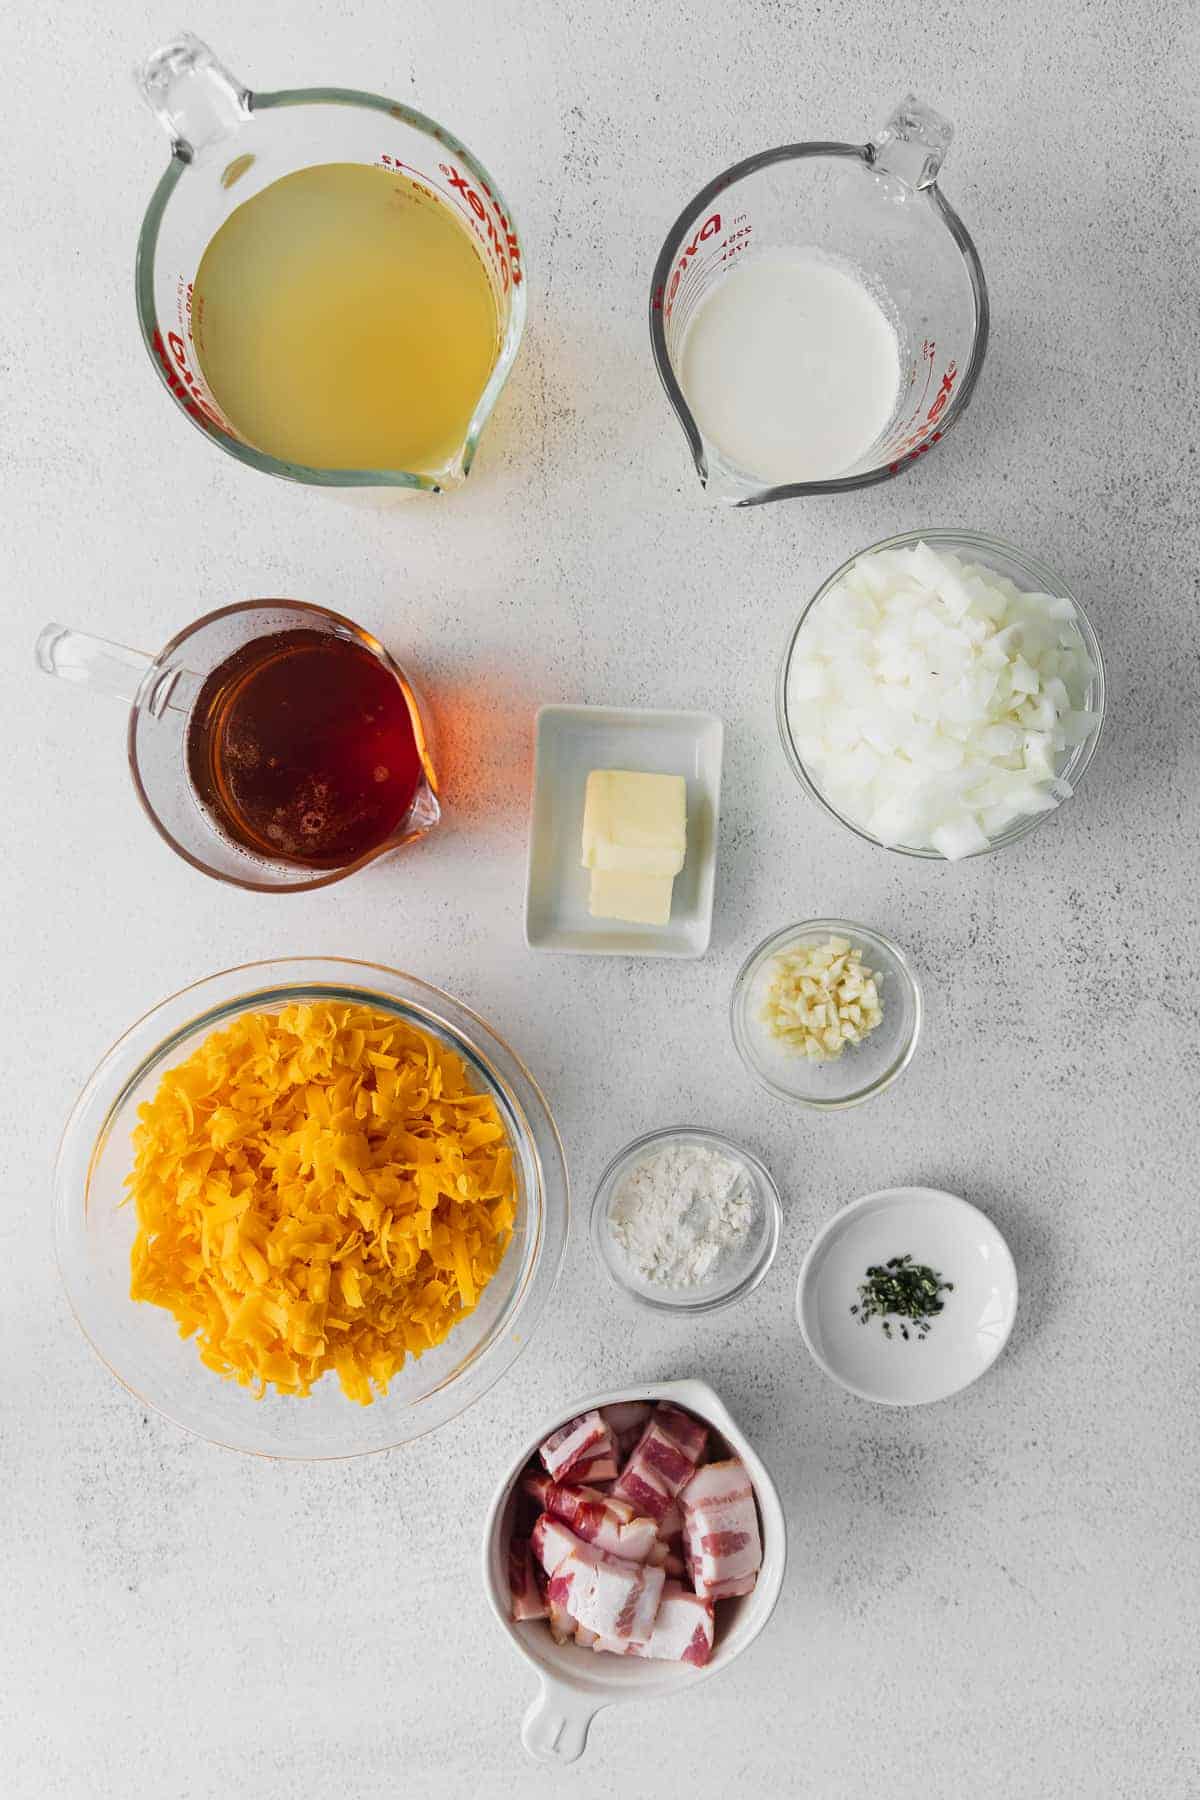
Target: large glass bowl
(140,1342)
(1029,574)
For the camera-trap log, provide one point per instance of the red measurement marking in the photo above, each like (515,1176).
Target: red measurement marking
(181,381)
(893,467)
(502,242)
(916,442)
(500,234)
(710,228)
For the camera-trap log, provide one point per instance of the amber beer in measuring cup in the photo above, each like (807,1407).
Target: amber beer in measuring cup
(274,744)
(329,284)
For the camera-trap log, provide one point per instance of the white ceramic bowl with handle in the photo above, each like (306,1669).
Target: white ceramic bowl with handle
(576,1683)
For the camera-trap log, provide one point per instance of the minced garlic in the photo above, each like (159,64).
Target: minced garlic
(319,1189)
(819,998)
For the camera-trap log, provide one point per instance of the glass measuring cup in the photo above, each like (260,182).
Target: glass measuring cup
(162,692)
(227,145)
(875,207)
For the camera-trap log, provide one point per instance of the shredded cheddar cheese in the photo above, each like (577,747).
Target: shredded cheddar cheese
(318,1189)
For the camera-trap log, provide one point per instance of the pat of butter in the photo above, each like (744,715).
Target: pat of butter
(638,899)
(635,824)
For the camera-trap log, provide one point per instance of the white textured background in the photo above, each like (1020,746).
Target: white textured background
(996,1596)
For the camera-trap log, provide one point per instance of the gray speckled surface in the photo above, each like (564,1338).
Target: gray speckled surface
(990,1596)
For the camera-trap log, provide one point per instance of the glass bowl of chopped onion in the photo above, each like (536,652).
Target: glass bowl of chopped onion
(310,1208)
(826,1013)
(941,694)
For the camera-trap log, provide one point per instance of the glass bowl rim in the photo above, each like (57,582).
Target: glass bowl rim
(1050,583)
(790,934)
(107,1087)
(773,1222)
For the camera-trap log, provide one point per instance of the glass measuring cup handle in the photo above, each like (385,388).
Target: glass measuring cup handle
(107,668)
(911,144)
(192,95)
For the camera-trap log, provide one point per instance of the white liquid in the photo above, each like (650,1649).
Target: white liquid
(790,367)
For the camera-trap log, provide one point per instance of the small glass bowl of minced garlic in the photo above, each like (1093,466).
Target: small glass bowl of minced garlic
(826,1013)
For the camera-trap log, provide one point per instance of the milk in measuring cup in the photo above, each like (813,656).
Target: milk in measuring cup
(791,367)
(343,319)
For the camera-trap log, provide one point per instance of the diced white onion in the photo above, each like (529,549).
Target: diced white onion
(934,703)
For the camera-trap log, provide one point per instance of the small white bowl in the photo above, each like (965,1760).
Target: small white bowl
(576,1684)
(951,1236)
(571,742)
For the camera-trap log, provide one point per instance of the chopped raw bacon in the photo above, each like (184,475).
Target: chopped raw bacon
(605,1594)
(683,1630)
(626,1420)
(584,1440)
(551,1542)
(669,1451)
(525,1596)
(663,1460)
(597,1518)
(606,1568)
(642,1488)
(720,1524)
(688,1433)
(595,1469)
(729,1590)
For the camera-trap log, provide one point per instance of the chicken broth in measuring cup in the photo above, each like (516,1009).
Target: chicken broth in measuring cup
(343,319)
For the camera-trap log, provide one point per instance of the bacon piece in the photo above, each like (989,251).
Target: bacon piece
(595,1469)
(683,1631)
(642,1488)
(607,1595)
(664,1458)
(525,1596)
(689,1433)
(626,1419)
(722,1546)
(672,1445)
(580,1441)
(729,1590)
(597,1518)
(551,1542)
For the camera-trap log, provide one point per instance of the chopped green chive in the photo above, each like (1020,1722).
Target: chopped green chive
(906,1289)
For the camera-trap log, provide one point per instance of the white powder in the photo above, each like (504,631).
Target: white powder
(679,1211)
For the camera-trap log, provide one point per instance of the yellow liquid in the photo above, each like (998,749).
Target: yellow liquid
(343,319)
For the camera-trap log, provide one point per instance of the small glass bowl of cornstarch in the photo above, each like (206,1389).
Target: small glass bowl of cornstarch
(685,1220)
(877,1050)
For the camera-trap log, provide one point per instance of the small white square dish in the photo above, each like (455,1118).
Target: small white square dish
(571,742)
